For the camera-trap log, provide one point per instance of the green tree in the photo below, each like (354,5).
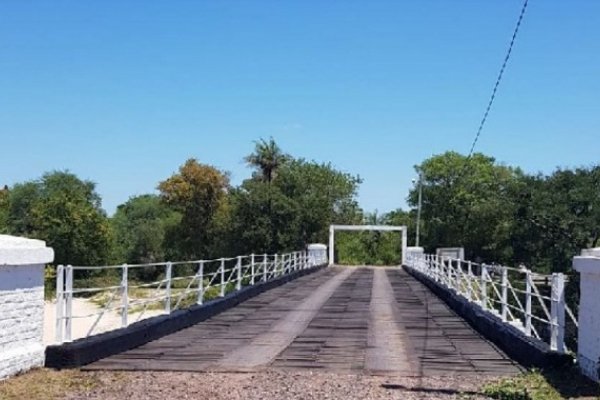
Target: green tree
(140,226)
(324,196)
(198,191)
(64,211)
(4,193)
(468,202)
(267,158)
(264,220)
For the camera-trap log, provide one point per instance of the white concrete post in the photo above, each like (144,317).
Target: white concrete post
(469,281)
(125,297)
(222,294)
(265,266)
(483,285)
(69,303)
(404,245)
(238,284)
(200,282)
(331,244)
(168,278)
(504,293)
(557,313)
(588,351)
(22,264)
(528,303)
(252,268)
(60,303)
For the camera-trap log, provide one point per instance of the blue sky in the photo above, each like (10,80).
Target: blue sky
(122,92)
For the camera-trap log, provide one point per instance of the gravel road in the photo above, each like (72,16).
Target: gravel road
(274,385)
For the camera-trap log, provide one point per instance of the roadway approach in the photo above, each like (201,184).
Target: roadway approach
(371,320)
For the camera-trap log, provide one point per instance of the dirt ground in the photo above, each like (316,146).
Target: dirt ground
(49,385)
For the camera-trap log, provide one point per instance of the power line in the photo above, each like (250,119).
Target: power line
(498,79)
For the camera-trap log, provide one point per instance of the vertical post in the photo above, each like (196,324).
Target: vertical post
(528,303)
(60,302)
(483,285)
(275,266)
(124,297)
(557,312)
(449,266)
(200,282)
(469,281)
(222,294)
(69,303)
(404,244)
(504,294)
(252,268)
(265,266)
(238,266)
(331,244)
(168,278)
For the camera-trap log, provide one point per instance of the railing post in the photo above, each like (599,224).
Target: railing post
(222,294)
(557,312)
(69,303)
(483,285)
(504,294)
(528,303)
(200,282)
(168,285)
(60,302)
(459,277)
(265,266)
(275,266)
(124,297)
(252,268)
(449,266)
(469,281)
(238,285)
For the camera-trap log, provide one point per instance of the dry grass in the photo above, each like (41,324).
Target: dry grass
(48,384)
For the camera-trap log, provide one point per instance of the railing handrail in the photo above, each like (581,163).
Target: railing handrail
(221,274)
(489,286)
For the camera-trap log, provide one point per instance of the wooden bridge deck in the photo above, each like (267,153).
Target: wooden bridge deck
(365,320)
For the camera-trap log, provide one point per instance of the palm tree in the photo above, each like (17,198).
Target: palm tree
(267,158)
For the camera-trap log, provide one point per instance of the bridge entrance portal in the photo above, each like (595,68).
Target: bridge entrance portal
(383,228)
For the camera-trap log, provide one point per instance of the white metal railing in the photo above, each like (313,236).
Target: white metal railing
(512,294)
(175,285)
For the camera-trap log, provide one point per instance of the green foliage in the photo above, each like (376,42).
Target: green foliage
(197,191)
(65,212)
(528,386)
(267,158)
(264,220)
(323,195)
(140,227)
(372,248)
(467,204)
(4,209)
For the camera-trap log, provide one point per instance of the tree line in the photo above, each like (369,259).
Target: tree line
(197,213)
(498,213)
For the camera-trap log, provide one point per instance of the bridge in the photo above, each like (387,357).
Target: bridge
(367,319)
(432,315)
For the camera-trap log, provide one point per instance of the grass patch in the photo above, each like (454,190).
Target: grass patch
(47,384)
(565,383)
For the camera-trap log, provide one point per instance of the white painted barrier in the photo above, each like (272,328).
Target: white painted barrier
(22,264)
(588,352)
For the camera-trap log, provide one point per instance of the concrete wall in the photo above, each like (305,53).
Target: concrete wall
(588,352)
(22,264)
